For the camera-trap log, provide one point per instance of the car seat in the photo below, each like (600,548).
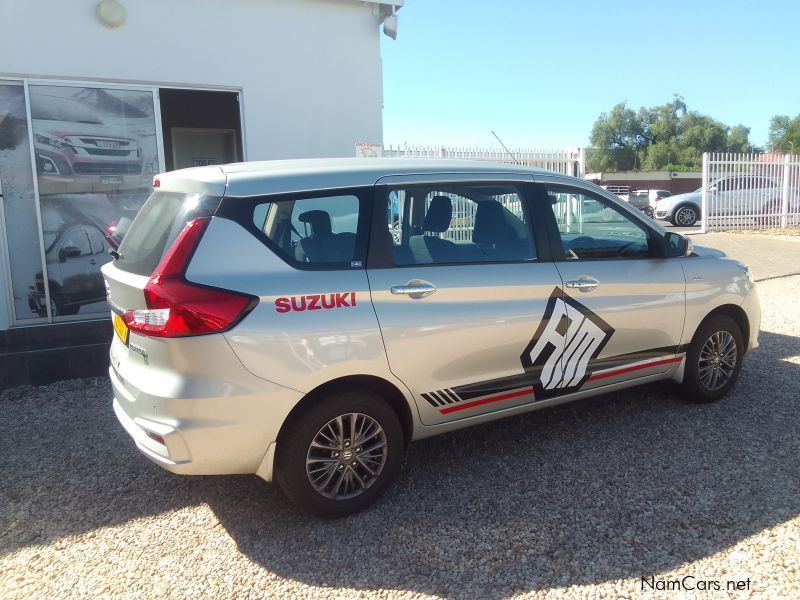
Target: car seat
(431,248)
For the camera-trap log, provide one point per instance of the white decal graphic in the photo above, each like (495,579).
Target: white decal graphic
(569,336)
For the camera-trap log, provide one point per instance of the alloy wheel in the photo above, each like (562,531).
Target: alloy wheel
(717,361)
(346,456)
(686,216)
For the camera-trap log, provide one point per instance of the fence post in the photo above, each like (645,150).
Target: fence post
(581,163)
(704,196)
(785,190)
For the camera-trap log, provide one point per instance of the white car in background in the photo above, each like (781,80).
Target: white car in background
(741,195)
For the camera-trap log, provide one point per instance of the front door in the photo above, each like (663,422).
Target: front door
(624,305)
(460,286)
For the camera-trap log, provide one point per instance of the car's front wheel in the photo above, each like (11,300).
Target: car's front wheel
(714,359)
(686,216)
(341,454)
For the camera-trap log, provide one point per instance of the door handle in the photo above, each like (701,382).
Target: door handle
(93,262)
(416,289)
(584,283)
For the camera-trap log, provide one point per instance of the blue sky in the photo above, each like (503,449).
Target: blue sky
(540,73)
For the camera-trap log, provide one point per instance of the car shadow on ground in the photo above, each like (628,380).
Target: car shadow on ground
(624,485)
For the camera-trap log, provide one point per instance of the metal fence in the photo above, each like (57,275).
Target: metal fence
(750,191)
(570,161)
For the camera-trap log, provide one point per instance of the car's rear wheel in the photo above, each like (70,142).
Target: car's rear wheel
(714,359)
(341,454)
(685,216)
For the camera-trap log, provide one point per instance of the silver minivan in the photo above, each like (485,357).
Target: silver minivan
(306,320)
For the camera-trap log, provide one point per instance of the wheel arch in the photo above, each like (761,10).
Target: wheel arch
(732,311)
(384,388)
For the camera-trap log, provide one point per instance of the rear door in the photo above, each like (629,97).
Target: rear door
(624,304)
(461,280)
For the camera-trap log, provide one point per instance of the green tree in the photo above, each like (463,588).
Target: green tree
(784,134)
(668,136)
(616,137)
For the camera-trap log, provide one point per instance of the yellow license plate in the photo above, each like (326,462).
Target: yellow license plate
(121,329)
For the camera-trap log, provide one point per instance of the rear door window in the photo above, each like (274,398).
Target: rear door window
(158,223)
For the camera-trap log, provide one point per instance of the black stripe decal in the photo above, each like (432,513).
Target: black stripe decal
(430,400)
(442,397)
(452,395)
(610,362)
(505,384)
(494,386)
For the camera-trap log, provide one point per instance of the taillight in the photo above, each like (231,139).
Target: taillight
(178,308)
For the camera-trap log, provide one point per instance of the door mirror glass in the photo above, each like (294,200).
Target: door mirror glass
(677,245)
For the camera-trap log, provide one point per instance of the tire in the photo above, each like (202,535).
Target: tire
(685,215)
(350,487)
(706,360)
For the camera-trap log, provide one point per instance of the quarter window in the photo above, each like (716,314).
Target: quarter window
(458,223)
(313,231)
(591,228)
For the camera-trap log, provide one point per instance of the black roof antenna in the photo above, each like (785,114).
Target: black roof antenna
(514,158)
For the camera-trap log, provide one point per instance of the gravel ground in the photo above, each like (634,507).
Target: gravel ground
(577,501)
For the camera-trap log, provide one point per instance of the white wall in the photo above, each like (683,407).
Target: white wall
(309,70)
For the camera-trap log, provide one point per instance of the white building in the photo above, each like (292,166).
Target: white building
(98,96)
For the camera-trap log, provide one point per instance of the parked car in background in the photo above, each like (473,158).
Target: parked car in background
(76,247)
(76,152)
(739,195)
(646,200)
(306,320)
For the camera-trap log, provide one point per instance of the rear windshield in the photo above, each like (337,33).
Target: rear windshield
(158,223)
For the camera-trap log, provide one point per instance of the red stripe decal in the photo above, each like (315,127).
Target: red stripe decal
(488,400)
(635,368)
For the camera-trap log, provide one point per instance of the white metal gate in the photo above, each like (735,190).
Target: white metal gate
(569,161)
(750,191)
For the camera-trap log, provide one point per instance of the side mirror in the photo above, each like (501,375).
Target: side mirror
(677,245)
(69,252)
(712,188)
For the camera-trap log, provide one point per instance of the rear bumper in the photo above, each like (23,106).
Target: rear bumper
(219,422)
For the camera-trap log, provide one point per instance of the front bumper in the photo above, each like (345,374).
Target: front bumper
(752,308)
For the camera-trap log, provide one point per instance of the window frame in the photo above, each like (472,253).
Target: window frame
(381,255)
(655,239)
(240,210)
